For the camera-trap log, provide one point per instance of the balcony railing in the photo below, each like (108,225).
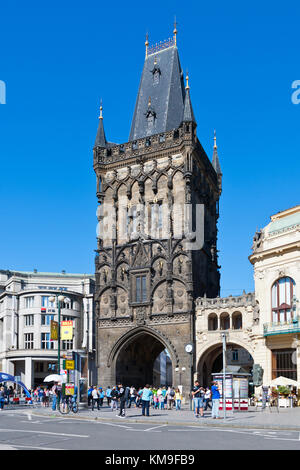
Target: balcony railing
(280,328)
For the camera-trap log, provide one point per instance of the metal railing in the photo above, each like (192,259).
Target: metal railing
(279,328)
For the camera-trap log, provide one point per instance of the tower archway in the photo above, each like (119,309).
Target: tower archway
(142,357)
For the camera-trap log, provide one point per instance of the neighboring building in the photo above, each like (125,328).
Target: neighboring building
(235,316)
(276,261)
(149,268)
(261,327)
(25,314)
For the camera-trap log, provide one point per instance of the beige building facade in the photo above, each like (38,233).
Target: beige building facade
(261,327)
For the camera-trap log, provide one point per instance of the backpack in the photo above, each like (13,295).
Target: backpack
(172,393)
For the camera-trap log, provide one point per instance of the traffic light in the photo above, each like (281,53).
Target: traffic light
(257,373)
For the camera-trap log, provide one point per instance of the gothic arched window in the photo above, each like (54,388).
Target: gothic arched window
(282,297)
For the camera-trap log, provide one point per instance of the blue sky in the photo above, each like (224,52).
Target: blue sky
(59,59)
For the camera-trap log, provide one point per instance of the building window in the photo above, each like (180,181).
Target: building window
(38,367)
(235,355)
(140,289)
(46,302)
(45,341)
(29,302)
(29,320)
(212,322)
(282,295)
(28,341)
(284,363)
(224,321)
(237,321)
(67,344)
(46,319)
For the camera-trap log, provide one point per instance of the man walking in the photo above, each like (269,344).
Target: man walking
(95,398)
(146,396)
(215,397)
(122,397)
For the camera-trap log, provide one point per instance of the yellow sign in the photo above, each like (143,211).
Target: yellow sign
(69,389)
(70,364)
(53,330)
(66,330)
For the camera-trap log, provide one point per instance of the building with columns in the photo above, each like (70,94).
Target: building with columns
(262,327)
(276,262)
(26,349)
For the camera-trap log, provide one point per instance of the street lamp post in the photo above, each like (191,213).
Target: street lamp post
(224,373)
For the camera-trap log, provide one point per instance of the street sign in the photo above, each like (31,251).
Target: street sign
(69,388)
(69,365)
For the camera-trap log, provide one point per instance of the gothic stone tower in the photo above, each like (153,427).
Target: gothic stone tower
(157,242)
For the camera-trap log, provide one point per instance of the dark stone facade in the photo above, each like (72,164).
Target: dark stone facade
(147,278)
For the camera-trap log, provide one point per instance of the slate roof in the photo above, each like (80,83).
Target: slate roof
(165,88)
(188,114)
(216,161)
(100,137)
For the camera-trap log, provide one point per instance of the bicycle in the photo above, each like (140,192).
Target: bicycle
(65,406)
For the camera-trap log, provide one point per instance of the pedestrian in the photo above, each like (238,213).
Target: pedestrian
(198,399)
(108,395)
(178,399)
(122,398)
(95,398)
(161,399)
(138,397)
(146,397)
(101,396)
(170,397)
(207,397)
(132,397)
(114,399)
(156,402)
(2,395)
(89,394)
(215,398)
(127,396)
(54,393)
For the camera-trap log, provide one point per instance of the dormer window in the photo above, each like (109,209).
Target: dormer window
(150,116)
(156,72)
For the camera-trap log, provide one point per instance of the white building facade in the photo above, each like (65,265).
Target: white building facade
(262,327)
(26,310)
(276,261)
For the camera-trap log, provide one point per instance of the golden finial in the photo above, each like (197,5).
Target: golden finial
(175,32)
(215,139)
(149,102)
(146,44)
(187,87)
(101,117)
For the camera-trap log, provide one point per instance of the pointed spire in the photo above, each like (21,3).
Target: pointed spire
(100,138)
(188,113)
(215,159)
(175,32)
(146,44)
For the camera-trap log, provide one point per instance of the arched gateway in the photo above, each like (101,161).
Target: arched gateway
(134,358)
(157,240)
(211,360)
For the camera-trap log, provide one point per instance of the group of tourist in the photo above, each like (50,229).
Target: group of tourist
(201,398)
(120,397)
